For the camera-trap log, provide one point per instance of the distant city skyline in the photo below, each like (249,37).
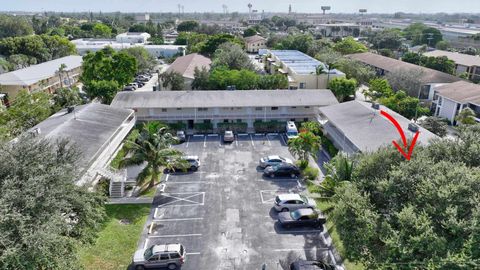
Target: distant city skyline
(303,6)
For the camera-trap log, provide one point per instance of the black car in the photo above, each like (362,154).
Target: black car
(311,265)
(282,169)
(301,217)
(192,163)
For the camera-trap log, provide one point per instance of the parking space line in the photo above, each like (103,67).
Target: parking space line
(236,141)
(283,140)
(198,135)
(166,177)
(205,142)
(146,243)
(175,219)
(184,199)
(174,235)
(188,140)
(212,135)
(191,182)
(269,143)
(251,139)
(193,253)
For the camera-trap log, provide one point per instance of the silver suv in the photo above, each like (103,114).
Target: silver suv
(171,256)
(291,201)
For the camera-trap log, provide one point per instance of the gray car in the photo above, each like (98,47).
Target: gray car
(171,256)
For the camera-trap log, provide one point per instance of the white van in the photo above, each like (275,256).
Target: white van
(292,131)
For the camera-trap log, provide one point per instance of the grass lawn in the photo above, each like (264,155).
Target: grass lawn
(117,242)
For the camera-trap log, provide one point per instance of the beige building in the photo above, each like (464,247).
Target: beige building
(255,43)
(464,63)
(186,65)
(300,69)
(42,77)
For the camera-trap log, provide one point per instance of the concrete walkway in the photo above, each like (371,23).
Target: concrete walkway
(130,200)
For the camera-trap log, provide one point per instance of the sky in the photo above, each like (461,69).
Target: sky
(310,6)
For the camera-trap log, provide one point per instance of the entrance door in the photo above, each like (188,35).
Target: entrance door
(190,124)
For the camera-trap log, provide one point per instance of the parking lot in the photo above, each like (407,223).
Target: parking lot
(223,213)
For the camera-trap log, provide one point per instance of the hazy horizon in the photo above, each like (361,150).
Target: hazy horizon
(302,6)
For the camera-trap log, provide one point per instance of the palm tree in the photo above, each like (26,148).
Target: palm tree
(152,147)
(339,171)
(60,71)
(304,146)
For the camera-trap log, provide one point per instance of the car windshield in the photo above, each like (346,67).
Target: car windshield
(295,215)
(292,133)
(148,253)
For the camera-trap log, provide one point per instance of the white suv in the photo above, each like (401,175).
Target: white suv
(291,201)
(171,256)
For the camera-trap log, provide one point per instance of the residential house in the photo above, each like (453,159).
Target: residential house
(300,69)
(185,66)
(429,78)
(255,43)
(450,99)
(464,63)
(42,77)
(224,106)
(96,129)
(355,126)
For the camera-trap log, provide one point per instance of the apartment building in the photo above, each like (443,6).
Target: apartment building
(42,77)
(186,65)
(338,29)
(356,126)
(214,107)
(255,43)
(300,69)
(429,78)
(132,37)
(464,63)
(450,99)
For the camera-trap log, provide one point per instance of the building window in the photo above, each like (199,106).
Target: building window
(294,107)
(274,108)
(207,121)
(164,110)
(305,119)
(225,120)
(179,109)
(258,108)
(307,107)
(202,109)
(302,85)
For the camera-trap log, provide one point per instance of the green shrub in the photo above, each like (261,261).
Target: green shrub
(203,127)
(174,127)
(270,126)
(103,186)
(310,173)
(329,147)
(235,127)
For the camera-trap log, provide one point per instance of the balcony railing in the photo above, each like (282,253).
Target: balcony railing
(190,116)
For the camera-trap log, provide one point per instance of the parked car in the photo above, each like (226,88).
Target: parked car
(139,83)
(282,169)
(128,88)
(293,201)
(134,85)
(301,217)
(181,137)
(192,164)
(273,160)
(171,256)
(228,136)
(142,78)
(311,265)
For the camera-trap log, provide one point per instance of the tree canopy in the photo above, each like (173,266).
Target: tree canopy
(44,216)
(232,56)
(348,46)
(145,61)
(14,26)
(440,63)
(187,26)
(342,87)
(417,214)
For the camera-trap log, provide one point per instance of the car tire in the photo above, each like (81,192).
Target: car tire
(139,267)
(284,209)
(172,266)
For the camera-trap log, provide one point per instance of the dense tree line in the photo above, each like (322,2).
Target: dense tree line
(14,26)
(440,63)
(418,214)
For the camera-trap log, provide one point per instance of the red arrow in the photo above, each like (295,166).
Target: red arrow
(402,135)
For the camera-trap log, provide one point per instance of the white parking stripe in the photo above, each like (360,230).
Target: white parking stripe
(297,249)
(290,231)
(146,243)
(188,140)
(205,142)
(198,135)
(175,235)
(269,143)
(212,135)
(251,139)
(193,253)
(283,140)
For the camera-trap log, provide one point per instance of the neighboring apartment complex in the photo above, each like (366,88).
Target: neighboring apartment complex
(450,99)
(300,69)
(96,129)
(355,126)
(429,78)
(464,63)
(186,65)
(128,40)
(338,29)
(42,77)
(214,107)
(255,43)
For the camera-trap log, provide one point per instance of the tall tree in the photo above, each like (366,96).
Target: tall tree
(466,117)
(304,146)
(152,148)
(348,46)
(232,56)
(201,79)
(44,216)
(187,26)
(172,80)
(342,87)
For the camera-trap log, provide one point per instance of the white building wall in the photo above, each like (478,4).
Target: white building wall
(447,109)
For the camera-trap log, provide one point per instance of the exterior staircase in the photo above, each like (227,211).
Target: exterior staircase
(117,181)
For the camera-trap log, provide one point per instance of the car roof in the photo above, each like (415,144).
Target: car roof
(166,248)
(190,157)
(305,211)
(274,157)
(289,196)
(228,132)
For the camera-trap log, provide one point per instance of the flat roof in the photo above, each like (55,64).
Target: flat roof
(366,128)
(223,98)
(458,58)
(299,62)
(461,92)
(90,127)
(390,64)
(35,73)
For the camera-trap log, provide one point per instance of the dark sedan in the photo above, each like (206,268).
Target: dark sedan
(311,265)
(301,217)
(283,169)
